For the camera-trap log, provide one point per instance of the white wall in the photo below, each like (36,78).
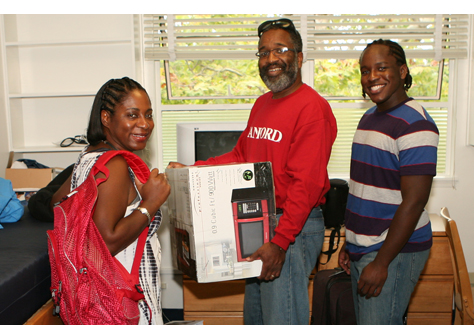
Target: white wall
(3,112)
(458,194)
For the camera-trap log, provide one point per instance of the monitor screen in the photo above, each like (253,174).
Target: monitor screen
(250,237)
(202,140)
(209,144)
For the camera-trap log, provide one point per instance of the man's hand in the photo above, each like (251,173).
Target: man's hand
(372,279)
(415,191)
(344,260)
(174,164)
(272,257)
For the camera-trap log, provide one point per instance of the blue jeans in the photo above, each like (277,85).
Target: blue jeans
(284,301)
(389,307)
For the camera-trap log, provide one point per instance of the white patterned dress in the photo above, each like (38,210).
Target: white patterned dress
(149,272)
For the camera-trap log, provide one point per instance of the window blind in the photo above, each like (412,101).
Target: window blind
(347,120)
(178,37)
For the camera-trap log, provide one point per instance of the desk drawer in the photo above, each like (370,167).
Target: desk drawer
(217,296)
(217,318)
(433,294)
(439,261)
(429,319)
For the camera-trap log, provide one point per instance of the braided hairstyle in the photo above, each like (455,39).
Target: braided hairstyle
(111,94)
(397,51)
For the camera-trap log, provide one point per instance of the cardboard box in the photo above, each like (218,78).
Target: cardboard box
(30,179)
(220,215)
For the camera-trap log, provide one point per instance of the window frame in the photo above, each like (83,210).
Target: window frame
(307,76)
(169,90)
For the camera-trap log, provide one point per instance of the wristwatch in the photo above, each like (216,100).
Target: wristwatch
(145,212)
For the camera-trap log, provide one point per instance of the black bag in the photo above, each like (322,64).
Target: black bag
(39,203)
(332,299)
(333,212)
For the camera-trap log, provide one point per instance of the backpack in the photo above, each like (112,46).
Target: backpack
(333,212)
(88,284)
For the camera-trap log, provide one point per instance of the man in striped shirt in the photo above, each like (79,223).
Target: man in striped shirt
(388,231)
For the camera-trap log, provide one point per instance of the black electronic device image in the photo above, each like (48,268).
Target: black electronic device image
(250,211)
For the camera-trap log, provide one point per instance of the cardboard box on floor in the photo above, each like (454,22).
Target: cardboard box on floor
(30,179)
(220,215)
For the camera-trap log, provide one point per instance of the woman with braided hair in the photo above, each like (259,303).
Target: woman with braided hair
(121,119)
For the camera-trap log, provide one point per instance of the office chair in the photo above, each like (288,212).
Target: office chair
(463,302)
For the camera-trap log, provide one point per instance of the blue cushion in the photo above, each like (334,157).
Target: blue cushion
(25,274)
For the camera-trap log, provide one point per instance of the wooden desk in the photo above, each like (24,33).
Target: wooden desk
(431,303)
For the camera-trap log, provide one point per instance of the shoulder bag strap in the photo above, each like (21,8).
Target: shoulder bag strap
(141,170)
(138,258)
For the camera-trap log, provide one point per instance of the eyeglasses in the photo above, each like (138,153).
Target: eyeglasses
(283,23)
(278,52)
(79,139)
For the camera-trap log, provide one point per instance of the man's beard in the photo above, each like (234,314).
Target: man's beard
(282,81)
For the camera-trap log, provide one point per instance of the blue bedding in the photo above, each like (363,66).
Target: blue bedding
(25,274)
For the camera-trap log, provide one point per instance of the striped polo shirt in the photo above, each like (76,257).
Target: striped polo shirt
(397,142)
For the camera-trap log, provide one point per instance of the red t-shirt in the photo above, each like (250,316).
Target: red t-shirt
(295,133)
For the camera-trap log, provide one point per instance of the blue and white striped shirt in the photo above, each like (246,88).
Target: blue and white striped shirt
(387,145)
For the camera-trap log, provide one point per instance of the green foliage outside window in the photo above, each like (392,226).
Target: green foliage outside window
(213,82)
(238,81)
(337,78)
(341,78)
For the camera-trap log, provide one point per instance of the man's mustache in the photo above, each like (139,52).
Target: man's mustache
(269,66)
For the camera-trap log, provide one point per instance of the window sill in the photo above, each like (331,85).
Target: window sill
(445,182)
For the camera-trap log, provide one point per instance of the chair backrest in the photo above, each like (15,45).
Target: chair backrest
(464,311)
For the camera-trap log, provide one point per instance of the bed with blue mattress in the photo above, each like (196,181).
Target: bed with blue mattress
(25,274)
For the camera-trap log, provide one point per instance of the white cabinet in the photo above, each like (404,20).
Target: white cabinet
(53,65)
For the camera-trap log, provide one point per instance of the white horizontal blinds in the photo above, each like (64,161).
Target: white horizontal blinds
(170,37)
(201,36)
(347,121)
(422,36)
(440,116)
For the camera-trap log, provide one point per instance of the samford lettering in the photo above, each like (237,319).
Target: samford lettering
(265,133)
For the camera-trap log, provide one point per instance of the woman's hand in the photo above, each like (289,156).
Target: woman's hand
(155,191)
(174,164)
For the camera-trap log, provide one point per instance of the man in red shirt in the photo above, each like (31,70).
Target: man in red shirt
(294,128)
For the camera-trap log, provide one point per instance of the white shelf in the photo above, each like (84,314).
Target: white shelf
(53,67)
(51,95)
(67,43)
(52,148)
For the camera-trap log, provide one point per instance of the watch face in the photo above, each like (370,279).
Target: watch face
(145,212)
